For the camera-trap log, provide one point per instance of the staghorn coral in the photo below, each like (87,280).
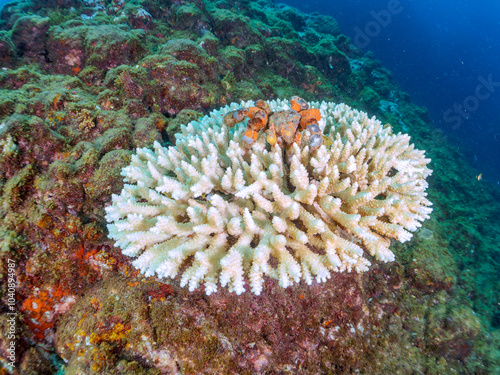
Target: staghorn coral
(217,210)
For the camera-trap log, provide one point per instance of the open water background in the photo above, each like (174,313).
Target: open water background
(440,52)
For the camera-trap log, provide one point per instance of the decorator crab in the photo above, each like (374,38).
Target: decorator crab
(283,128)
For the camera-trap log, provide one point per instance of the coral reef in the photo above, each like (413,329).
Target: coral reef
(84,82)
(220,210)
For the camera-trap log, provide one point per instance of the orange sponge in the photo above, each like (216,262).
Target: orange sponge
(250,136)
(309,116)
(298,104)
(258,118)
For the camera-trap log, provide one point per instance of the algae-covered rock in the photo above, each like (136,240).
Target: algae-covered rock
(451,330)
(432,267)
(370,96)
(15,79)
(108,46)
(209,43)
(147,130)
(29,35)
(105,180)
(177,84)
(189,16)
(85,158)
(35,141)
(281,53)
(234,60)
(234,29)
(34,362)
(17,188)
(187,50)
(113,139)
(66,49)
(255,55)
(7,105)
(183,117)
(110,329)
(296,18)
(323,23)
(329,59)
(7,50)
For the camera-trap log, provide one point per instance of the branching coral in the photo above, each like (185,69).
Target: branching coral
(217,210)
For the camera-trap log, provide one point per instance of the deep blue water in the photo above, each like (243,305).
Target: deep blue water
(445,54)
(3,2)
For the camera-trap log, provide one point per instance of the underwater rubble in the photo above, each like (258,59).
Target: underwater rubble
(83,83)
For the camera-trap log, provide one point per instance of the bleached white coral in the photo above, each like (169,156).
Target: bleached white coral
(219,212)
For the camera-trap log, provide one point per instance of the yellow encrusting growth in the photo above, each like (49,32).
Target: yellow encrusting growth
(219,211)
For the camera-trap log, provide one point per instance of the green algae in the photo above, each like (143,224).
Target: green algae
(147,130)
(188,16)
(370,96)
(104,180)
(16,189)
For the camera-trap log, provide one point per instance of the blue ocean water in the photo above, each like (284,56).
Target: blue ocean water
(445,54)
(3,2)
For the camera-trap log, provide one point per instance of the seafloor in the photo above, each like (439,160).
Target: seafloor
(83,83)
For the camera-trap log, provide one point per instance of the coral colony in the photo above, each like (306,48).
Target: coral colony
(256,190)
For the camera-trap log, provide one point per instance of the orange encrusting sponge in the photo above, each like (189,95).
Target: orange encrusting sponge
(257,118)
(250,136)
(309,116)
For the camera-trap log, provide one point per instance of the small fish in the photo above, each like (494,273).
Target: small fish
(327,141)
(207,196)
(479,176)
